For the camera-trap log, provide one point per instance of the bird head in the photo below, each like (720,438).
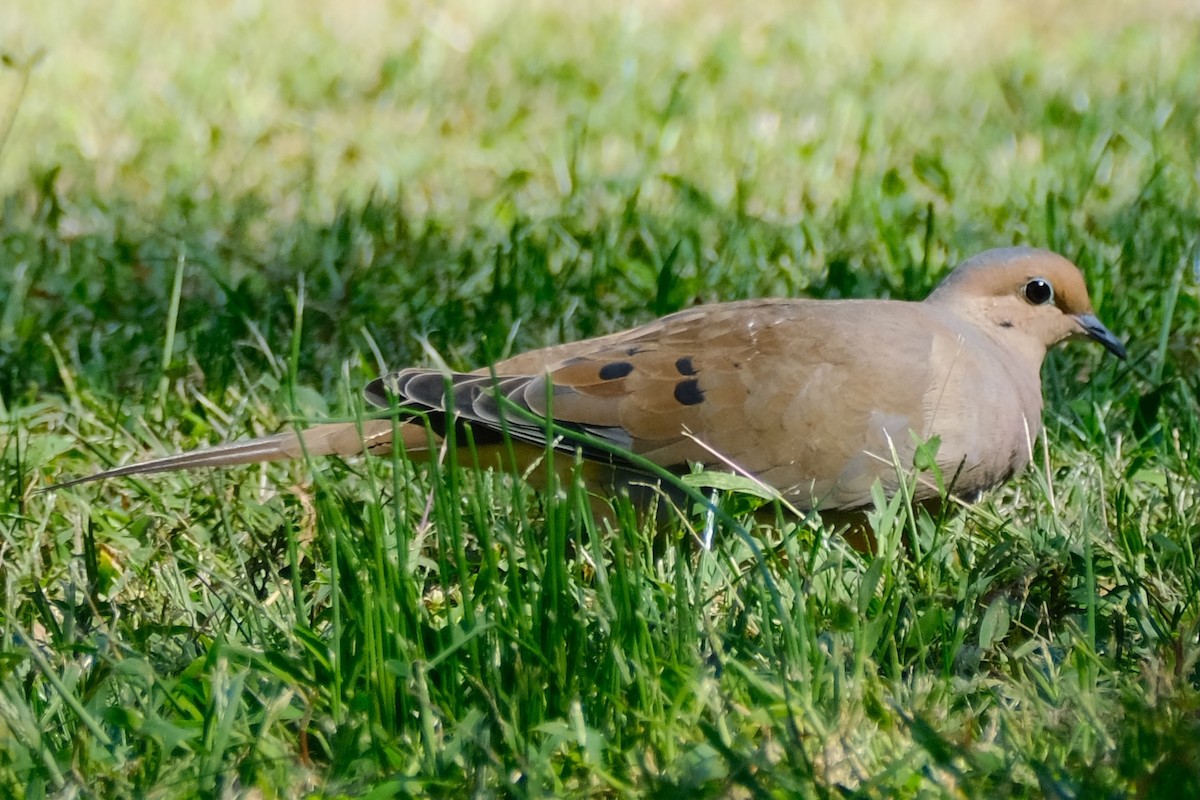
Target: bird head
(1033,297)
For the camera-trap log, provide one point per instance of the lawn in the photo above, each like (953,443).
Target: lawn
(223,218)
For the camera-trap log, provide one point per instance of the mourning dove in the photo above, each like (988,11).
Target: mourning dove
(817,398)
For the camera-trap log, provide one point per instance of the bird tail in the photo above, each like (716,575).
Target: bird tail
(331,439)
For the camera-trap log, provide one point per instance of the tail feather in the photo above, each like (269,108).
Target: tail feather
(332,439)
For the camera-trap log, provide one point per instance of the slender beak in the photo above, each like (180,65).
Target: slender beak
(1094,329)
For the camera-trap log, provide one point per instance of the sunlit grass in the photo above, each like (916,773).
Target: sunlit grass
(337,185)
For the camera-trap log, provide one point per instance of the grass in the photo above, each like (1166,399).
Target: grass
(217,220)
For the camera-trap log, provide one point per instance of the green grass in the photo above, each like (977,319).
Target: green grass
(218,220)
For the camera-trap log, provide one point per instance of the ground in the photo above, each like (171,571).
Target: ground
(219,219)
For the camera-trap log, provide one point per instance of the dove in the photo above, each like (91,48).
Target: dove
(818,399)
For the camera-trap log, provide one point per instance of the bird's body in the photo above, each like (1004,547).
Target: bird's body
(817,398)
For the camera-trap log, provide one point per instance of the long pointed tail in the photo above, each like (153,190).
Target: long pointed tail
(332,439)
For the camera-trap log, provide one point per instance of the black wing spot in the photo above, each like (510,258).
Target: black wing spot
(688,392)
(1005,323)
(633,350)
(614,370)
(685,366)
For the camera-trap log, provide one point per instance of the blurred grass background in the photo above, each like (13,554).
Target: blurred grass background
(494,176)
(370,142)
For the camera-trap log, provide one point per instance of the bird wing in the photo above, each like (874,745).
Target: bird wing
(800,393)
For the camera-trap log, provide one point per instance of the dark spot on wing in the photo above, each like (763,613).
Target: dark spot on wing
(633,350)
(1005,323)
(685,366)
(688,392)
(615,369)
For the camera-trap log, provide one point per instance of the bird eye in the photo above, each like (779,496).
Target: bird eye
(1038,291)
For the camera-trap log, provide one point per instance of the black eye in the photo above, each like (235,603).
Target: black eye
(1038,291)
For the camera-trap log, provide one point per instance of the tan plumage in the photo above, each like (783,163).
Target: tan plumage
(810,396)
